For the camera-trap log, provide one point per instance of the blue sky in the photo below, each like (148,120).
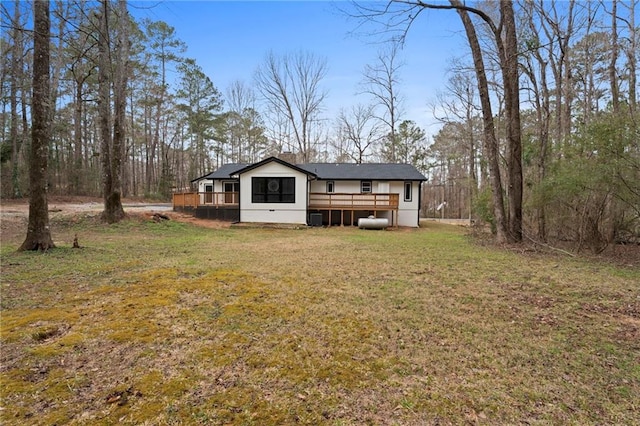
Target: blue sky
(229,39)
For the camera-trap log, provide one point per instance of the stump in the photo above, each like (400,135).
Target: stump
(159,217)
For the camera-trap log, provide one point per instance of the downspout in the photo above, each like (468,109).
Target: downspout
(420,182)
(239,200)
(309,179)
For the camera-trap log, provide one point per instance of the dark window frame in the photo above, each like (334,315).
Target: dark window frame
(331,187)
(235,185)
(408,196)
(273,189)
(362,185)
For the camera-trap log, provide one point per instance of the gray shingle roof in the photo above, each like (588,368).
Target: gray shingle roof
(277,160)
(366,171)
(223,172)
(336,171)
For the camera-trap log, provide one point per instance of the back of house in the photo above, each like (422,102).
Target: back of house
(276,191)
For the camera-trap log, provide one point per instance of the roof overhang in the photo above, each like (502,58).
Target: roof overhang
(277,160)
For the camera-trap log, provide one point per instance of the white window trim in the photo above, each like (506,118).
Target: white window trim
(333,187)
(410,198)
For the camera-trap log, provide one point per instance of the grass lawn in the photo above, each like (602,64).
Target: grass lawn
(169,323)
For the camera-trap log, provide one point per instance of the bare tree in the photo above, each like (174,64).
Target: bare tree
(613,72)
(240,96)
(535,67)
(489,133)
(460,113)
(360,130)
(380,81)
(559,30)
(16,78)
(402,13)
(291,86)
(631,52)
(244,123)
(508,51)
(38,231)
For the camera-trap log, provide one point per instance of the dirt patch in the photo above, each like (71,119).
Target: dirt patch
(205,223)
(14,214)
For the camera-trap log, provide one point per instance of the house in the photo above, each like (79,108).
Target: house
(276,191)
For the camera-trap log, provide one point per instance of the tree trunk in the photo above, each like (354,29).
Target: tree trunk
(613,80)
(38,231)
(76,175)
(16,75)
(566,95)
(510,79)
(134,176)
(104,107)
(544,120)
(632,51)
(113,211)
(489,135)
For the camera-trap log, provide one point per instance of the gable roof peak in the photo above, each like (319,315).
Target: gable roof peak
(277,160)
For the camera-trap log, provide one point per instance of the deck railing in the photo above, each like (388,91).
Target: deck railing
(317,200)
(195,199)
(337,201)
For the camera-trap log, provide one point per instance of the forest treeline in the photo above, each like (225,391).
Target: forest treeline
(574,130)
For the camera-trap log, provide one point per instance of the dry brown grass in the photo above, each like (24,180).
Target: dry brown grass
(174,324)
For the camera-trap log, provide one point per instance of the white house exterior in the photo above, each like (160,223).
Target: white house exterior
(220,182)
(275,191)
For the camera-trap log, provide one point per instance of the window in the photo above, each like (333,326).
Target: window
(365,186)
(331,187)
(273,190)
(408,191)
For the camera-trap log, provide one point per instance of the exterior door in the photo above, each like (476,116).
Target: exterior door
(208,194)
(230,190)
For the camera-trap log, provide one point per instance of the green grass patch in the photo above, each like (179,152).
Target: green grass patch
(168,323)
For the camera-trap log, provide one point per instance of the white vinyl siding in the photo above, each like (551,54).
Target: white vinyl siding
(408,191)
(295,212)
(407,210)
(331,187)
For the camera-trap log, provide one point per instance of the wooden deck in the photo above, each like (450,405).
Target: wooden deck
(192,200)
(317,200)
(346,208)
(349,201)
(336,209)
